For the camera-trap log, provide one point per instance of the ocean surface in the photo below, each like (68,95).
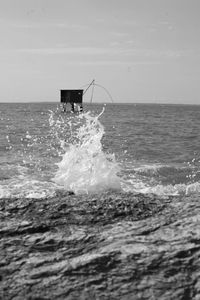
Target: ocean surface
(146,148)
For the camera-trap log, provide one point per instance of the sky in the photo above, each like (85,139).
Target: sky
(139,50)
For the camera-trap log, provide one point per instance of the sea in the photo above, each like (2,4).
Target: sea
(134,148)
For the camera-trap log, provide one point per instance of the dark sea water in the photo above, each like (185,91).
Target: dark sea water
(151,149)
(101,205)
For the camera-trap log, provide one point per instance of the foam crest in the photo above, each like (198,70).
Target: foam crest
(26,188)
(85,167)
(137,185)
(175,190)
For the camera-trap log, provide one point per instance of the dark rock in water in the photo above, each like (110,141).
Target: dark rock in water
(108,246)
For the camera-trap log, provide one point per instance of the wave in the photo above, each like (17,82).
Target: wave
(85,167)
(162,179)
(27,188)
(136,186)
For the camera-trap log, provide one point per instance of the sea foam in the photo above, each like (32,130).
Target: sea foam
(85,167)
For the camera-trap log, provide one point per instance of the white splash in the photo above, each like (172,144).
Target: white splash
(85,167)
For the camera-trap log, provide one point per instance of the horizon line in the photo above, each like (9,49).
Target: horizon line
(102,103)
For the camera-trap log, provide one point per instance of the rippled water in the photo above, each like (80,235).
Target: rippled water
(143,148)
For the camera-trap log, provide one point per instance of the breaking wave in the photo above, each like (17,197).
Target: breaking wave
(85,167)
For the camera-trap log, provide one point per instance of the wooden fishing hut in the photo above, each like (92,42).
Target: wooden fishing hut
(73,97)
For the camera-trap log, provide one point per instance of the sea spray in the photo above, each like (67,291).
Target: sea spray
(85,167)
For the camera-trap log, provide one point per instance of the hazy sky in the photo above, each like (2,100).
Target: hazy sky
(140,50)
